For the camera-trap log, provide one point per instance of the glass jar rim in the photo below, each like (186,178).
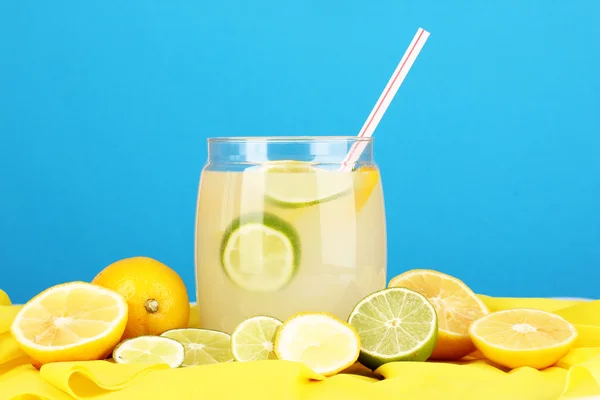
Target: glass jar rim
(288,139)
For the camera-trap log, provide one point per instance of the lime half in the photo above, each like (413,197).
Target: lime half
(202,346)
(260,252)
(295,184)
(254,339)
(394,324)
(149,350)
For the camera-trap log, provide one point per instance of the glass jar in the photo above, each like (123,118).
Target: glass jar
(284,225)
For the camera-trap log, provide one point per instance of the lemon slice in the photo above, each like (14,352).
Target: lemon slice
(260,252)
(254,339)
(295,184)
(395,324)
(456,305)
(523,337)
(324,343)
(149,350)
(202,346)
(74,321)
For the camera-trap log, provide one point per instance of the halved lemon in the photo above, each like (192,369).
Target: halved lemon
(523,337)
(324,343)
(73,321)
(455,304)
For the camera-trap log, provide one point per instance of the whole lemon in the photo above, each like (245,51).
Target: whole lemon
(4,299)
(156,295)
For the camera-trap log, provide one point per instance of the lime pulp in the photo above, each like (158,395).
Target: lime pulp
(202,346)
(260,252)
(394,324)
(254,339)
(149,350)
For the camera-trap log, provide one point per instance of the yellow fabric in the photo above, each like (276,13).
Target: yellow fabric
(576,376)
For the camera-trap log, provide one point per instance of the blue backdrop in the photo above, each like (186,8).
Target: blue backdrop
(490,152)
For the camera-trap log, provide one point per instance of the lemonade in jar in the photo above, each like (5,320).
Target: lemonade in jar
(284,226)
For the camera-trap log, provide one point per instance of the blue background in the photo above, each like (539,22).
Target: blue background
(490,152)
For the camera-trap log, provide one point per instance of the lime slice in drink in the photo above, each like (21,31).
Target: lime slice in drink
(394,324)
(202,346)
(149,350)
(260,252)
(295,184)
(254,339)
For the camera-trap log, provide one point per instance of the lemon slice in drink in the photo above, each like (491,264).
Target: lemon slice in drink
(254,339)
(394,324)
(149,350)
(324,343)
(296,184)
(202,346)
(260,252)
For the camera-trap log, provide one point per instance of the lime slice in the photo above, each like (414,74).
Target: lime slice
(394,324)
(149,350)
(322,342)
(254,339)
(202,346)
(260,252)
(295,184)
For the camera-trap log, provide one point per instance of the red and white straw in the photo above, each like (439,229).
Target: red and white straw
(386,98)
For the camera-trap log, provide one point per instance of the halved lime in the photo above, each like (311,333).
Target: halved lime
(254,339)
(394,324)
(260,252)
(202,346)
(295,184)
(149,350)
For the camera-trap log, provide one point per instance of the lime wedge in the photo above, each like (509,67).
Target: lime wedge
(260,252)
(295,184)
(149,350)
(202,346)
(254,339)
(394,324)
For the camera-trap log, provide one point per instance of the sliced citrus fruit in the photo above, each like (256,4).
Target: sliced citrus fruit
(149,350)
(254,339)
(456,306)
(295,184)
(365,181)
(260,252)
(523,337)
(326,344)
(73,321)
(202,346)
(394,324)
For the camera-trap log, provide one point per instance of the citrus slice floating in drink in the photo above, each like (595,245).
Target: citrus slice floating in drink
(456,305)
(296,184)
(254,339)
(202,346)
(523,337)
(324,343)
(74,321)
(365,181)
(260,252)
(149,350)
(394,324)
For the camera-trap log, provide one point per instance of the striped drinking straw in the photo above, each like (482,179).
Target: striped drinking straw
(386,98)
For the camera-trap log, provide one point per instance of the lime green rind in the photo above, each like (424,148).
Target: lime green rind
(269,220)
(223,356)
(420,352)
(294,205)
(270,355)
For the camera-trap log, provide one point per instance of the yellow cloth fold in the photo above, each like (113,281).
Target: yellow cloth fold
(575,376)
